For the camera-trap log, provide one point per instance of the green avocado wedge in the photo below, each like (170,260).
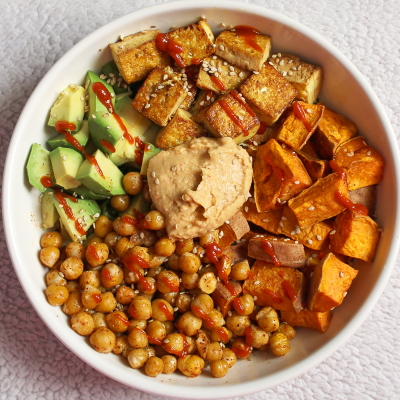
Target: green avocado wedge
(39,166)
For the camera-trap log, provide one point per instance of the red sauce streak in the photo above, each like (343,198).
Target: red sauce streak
(197,310)
(335,168)
(174,49)
(67,196)
(269,249)
(238,98)
(288,288)
(131,259)
(223,335)
(93,253)
(106,274)
(263,127)
(242,353)
(129,220)
(218,83)
(210,94)
(225,106)
(120,318)
(139,157)
(162,306)
(133,312)
(238,305)
(96,297)
(196,61)
(108,145)
(250,36)
(94,162)
(277,171)
(46,181)
(357,208)
(168,283)
(301,115)
(251,275)
(154,340)
(274,296)
(185,350)
(249,335)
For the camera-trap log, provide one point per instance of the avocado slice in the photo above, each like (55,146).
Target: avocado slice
(82,137)
(111,184)
(86,194)
(137,203)
(66,163)
(38,166)
(69,106)
(110,70)
(49,212)
(95,105)
(149,152)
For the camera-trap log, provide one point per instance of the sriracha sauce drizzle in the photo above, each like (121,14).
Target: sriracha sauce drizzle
(269,249)
(203,315)
(250,36)
(46,181)
(169,46)
(301,115)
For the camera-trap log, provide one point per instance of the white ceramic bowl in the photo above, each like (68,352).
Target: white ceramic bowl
(344,89)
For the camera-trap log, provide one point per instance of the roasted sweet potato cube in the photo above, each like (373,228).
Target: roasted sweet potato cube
(319,201)
(355,236)
(230,117)
(279,287)
(179,130)
(315,167)
(292,130)
(318,321)
(223,298)
(197,41)
(332,131)
(160,95)
(137,55)
(329,284)
(363,165)
(268,220)
(287,252)
(365,196)
(234,48)
(233,230)
(268,93)
(306,78)
(219,77)
(279,175)
(308,150)
(204,100)
(314,236)
(238,253)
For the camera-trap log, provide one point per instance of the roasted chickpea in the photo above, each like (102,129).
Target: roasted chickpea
(103,340)
(156,331)
(173,262)
(55,277)
(121,345)
(287,330)
(137,358)
(57,295)
(169,326)
(240,348)
(154,220)
(73,304)
(125,295)
(120,202)
(167,281)
(123,246)
(229,356)
(220,334)
(260,337)
(103,225)
(219,368)
(91,278)
(267,319)
(184,246)
(77,250)
(154,366)
(49,256)
(140,308)
(279,344)
(207,282)
(99,320)
(162,310)
(209,238)
(165,247)
(240,271)
(51,239)
(91,297)
(123,226)
(214,352)
(111,240)
(237,323)
(96,254)
(141,253)
(202,305)
(132,183)
(215,319)
(117,321)
(170,364)
(183,302)
(192,348)
(73,286)
(108,303)
(190,323)
(72,268)
(244,305)
(191,365)
(190,281)
(111,275)
(138,338)
(189,263)
(146,193)
(82,323)
(173,343)
(137,323)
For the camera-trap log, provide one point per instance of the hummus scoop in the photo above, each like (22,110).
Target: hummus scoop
(199,185)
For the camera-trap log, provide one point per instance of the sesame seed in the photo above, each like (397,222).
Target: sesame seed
(292,233)
(147,105)
(221,47)
(216,74)
(278,200)
(345,294)
(255,72)
(257,282)
(241,74)
(369,153)
(240,117)
(290,73)
(270,63)
(50,193)
(60,205)
(341,274)
(153,174)
(319,237)
(157,181)
(141,235)
(165,77)
(294,68)
(232,73)
(310,208)
(274,55)
(299,67)
(282,62)
(284,73)
(53,115)
(64,157)
(296,182)
(332,232)
(108,127)
(281,224)
(82,98)
(246,209)
(264,89)
(277,60)
(79,118)
(309,241)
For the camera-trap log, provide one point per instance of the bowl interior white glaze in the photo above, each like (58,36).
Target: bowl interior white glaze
(344,90)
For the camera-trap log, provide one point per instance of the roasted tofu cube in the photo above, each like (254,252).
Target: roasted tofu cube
(223,298)
(219,77)
(179,130)
(137,55)
(236,48)
(279,175)
(196,40)
(268,220)
(160,95)
(365,196)
(363,165)
(355,236)
(232,230)
(329,284)
(306,78)
(238,253)
(318,321)
(319,202)
(332,131)
(315,236)
(189,76)
(279,287)
(230,117)
(292,130)
(268,93)
(286,252)
(315,167)
(204,100)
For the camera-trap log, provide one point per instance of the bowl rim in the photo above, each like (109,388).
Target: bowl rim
(262,383)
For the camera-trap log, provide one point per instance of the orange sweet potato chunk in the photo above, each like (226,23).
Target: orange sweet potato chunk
(364,166)
(355,236)
(268,220)
(233,230)
(279,175)
(318,321)
(315,167)
(329,284)
(238,253)
(223,298)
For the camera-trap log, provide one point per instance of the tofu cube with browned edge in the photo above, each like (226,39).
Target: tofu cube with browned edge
(204,100)
(189,82)
(179,130)
(238,50)
(223,298)
(137,55)
(233,230)
(355,236)
(315,167)
(160,95)
(306,78)
(268,93)
(230,117)
(279,175)
(363,165)
(366,196)
(329,284)
(318,321)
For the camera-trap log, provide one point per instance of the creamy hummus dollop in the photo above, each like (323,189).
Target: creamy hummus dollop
(199,185)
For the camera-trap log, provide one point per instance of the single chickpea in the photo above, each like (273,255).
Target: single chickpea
(241,349)
(237,323)
(154,366)
(111,240)
(73,286)
(267,319)
(229,356)
(287,330)
(138,338)
(103,340)
(73,304)
(117,321)
(162,310)
(240,271)
(72,268)
(140,308)
(77,250)
(132,183)
(125,295)
(191,365)
(209,238)
(108,303)
(156,332)
(173,262)
(99,320)
(169,326)
(173,343)
(183,302)
(207,283)
(103,226)
(123,226)
(189,263)
(54,277)
(154,220)
(96,254)
(279,344)
(111,275)
(57,295)
(137,323)
(150,289)
(215,319)
(184,246)
(120,202)
(51,239)
(190,281)
(167,281)
(82,323)
(220,334)
(140,253)
(121,345)
(170,364)
(137,358)
(169,297)
(91,278)
(219,368)
(202,304)
(49,256)
(190,323)
(165,247)
(244,305)
(260,338)
(123,246)
(91,297)
(214,352)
